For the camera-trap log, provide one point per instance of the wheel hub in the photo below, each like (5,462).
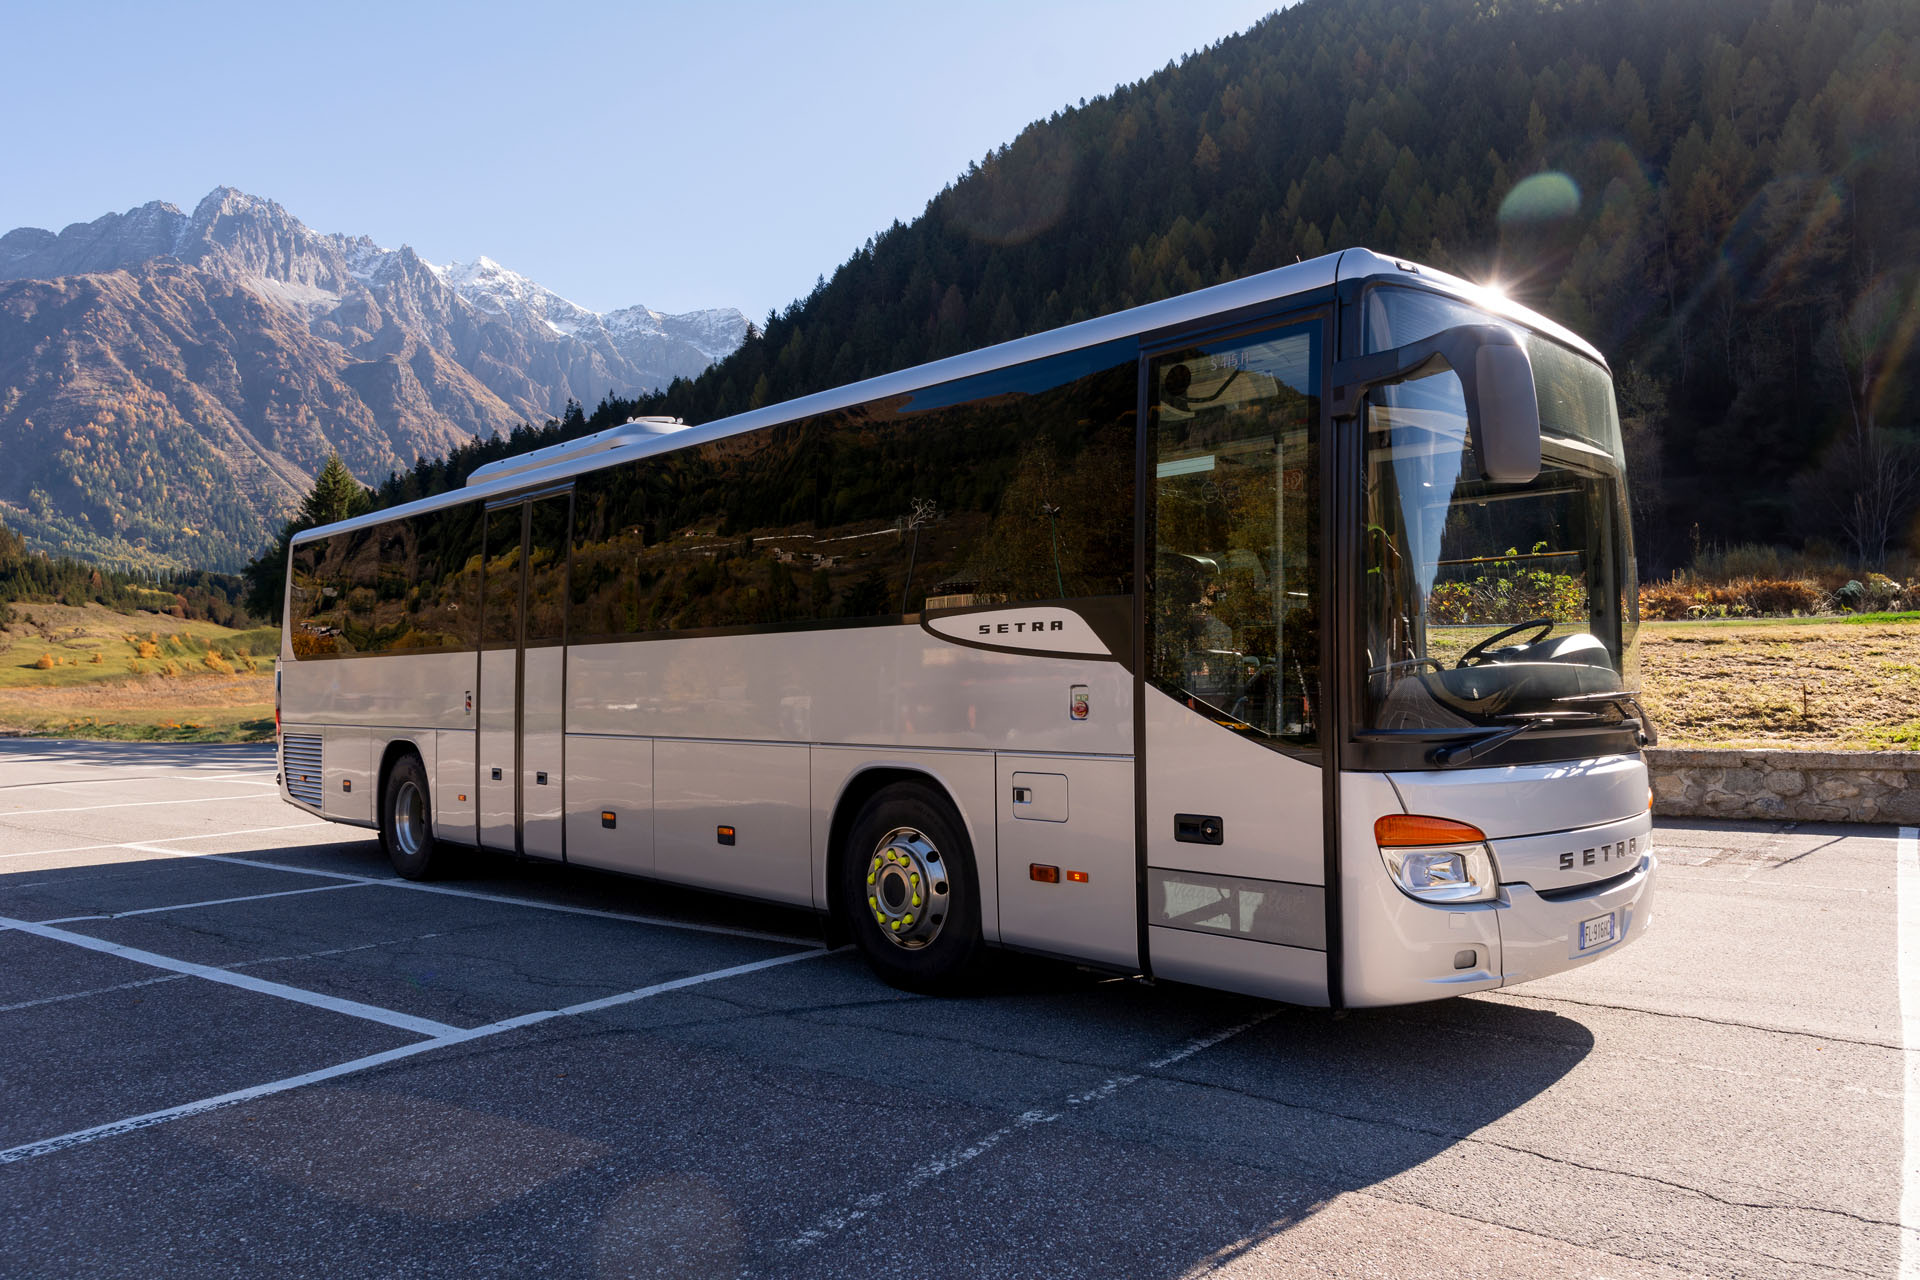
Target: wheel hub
(409,819)
(907,888)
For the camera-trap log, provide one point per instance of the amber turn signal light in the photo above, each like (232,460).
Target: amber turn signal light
(1043,873)
(1401,830)
(1078,877)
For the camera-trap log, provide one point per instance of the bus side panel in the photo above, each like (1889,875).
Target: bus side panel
(348,787)
(453,806)
(1074,817)
(757,790)
(893,686)
(610,803)
(967,778)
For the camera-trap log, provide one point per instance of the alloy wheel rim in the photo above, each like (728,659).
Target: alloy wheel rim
(907,888)
(409,819)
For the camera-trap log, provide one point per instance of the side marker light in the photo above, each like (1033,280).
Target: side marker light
(1043,873)
(608,820)
(724,834)
(1078,877)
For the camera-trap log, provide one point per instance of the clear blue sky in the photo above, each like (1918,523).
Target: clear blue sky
(682,155)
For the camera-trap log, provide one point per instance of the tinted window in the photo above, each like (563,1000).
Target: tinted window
(500,616)
(1013,486)
(547,571)
(1235,617)
(402,586)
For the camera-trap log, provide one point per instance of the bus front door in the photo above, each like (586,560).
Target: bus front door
(522,677)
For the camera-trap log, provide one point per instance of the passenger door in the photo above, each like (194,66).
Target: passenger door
(1236,875)
(523,676)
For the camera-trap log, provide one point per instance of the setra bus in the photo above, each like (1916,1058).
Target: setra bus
(1278,637)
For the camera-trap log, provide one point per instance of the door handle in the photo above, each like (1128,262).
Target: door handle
(1023,795)
(1197,828)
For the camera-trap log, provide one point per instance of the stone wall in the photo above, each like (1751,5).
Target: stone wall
(1802,786)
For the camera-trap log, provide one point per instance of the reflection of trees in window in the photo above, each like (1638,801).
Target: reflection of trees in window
(1235,620)
(401,586)
(547,570)
(1018,483)
(500,616)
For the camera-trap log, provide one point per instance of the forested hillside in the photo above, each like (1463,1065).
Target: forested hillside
(1723,194)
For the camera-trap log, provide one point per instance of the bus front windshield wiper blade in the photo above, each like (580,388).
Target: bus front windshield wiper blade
(1459,753)
(1629,704)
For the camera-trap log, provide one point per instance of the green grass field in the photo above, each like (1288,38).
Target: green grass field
(87,672)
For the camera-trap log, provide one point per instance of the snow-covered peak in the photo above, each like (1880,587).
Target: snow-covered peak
(500,291)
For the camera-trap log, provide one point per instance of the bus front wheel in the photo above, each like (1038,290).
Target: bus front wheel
(406,821)
(911,894)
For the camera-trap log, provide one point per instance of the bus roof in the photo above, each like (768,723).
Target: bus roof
(644,437)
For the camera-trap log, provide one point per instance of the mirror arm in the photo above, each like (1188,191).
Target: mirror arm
(1507,452)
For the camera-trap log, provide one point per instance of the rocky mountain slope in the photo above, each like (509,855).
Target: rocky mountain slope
(170,381)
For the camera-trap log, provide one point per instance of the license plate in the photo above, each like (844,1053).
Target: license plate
(1596,931)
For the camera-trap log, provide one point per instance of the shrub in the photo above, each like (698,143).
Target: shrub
(96,659)
(46,662)
(214,662)
(169,670)
(1665,601)
(1852,597)
(147,649)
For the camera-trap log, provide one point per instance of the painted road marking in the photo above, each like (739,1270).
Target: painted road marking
(188,906)
(451,1037)
(147,845)
(1907,878)
(396,883)
(351,1008)
(238,964)
(131,804)
(839,1220)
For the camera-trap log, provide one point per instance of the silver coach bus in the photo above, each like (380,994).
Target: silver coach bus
(1277,638)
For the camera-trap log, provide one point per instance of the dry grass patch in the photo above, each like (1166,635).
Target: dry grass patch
(1828,686)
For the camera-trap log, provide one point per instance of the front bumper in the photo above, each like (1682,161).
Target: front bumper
(1540,934)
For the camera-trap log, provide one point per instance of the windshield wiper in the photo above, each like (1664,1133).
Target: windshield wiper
(1461,752)
(1628,702)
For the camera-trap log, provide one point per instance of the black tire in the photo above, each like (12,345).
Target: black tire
(916,829)
(406,822)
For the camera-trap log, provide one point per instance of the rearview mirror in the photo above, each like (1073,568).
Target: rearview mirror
(1496,377)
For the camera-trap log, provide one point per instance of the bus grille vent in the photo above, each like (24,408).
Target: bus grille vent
(300,758)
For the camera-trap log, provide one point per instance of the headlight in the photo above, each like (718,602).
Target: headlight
(1437,859)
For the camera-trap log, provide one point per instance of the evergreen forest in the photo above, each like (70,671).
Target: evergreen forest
(1722,195)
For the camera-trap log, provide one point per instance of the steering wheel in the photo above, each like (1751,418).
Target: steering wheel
(1544,625)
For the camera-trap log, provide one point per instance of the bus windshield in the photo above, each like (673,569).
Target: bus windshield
(1491,604)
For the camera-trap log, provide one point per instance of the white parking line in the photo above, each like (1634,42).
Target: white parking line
(451,1037)
(260,986)
(188,906)
(251,778)
(238,964)
(396,883)
(1907,881)
(839,1220)
(131,804)
(147,845)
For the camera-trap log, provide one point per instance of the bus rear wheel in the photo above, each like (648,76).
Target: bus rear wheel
(406,821)
(911,893)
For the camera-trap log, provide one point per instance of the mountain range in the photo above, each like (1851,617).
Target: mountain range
(171,381)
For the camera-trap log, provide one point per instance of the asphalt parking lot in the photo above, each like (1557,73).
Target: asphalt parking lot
(232,1044)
